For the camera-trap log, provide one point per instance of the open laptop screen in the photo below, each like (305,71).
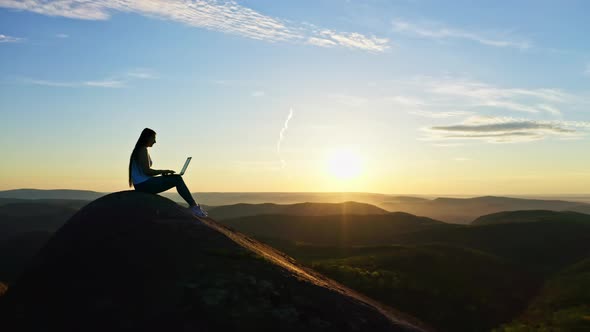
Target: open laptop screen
(188,160)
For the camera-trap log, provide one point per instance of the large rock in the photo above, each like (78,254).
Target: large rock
(131,261)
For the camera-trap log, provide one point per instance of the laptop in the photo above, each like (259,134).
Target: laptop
(188,160)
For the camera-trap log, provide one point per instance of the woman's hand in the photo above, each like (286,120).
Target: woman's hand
(167,171)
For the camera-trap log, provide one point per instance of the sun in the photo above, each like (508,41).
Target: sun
(344,164)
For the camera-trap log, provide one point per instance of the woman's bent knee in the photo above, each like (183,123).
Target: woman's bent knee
(176,178)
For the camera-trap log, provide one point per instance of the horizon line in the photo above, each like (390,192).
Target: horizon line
(317,192)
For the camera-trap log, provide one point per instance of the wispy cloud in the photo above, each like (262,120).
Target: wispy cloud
(329,38)
(321,42)
(549,109)
(488,111)
(282,135)
(471,95)
(488,94)
(587,71)
(118,81)
(448,96)
(9,39)
(62,35)
(51,83)
(76,84)
(105,84)
(258,94)
(226,16)
(504,130)
(439,31)
(141,73)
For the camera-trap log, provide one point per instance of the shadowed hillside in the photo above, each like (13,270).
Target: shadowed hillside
(334,229)
(542,247)
(562,305)
(530,216)
(300,209)
(134,261)
(25,226)
(32,216)
(16,251)
(452,288)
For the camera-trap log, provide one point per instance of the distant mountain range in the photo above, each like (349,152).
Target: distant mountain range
(447,209)
(87,195)
(464,210)
(215,198)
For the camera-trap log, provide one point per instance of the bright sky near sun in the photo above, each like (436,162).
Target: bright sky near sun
(399,97)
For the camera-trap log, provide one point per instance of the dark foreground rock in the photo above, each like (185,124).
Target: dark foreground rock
(131,261)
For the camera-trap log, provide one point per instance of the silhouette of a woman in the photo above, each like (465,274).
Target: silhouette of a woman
(144,178)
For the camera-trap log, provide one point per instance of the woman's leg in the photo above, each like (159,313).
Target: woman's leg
(159,184)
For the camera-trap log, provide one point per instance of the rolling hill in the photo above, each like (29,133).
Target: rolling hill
(87,195)
(343,230)
(299,209)
(464,210)
(531,216)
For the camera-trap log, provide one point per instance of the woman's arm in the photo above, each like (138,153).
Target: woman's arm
(142,159)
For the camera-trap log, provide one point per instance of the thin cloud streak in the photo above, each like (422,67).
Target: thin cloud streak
(105,84)
(472,95)
(352,40)
(99,84)
(141,73)
(119,81)
(282,135)
(505,130)
(225,16)
(9,39)
(439,31)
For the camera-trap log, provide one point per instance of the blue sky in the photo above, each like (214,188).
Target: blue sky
(428,97)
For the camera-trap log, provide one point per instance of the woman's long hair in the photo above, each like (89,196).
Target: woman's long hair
(146,134)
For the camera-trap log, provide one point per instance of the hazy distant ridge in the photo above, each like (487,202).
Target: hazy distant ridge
(448,209)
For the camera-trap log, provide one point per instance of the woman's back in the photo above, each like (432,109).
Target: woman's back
(137,174)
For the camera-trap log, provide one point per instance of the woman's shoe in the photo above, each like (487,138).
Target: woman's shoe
(197,211)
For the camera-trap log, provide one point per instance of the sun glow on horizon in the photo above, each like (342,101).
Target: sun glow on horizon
(344,164)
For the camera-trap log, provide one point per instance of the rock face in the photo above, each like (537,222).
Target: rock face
(131,261)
